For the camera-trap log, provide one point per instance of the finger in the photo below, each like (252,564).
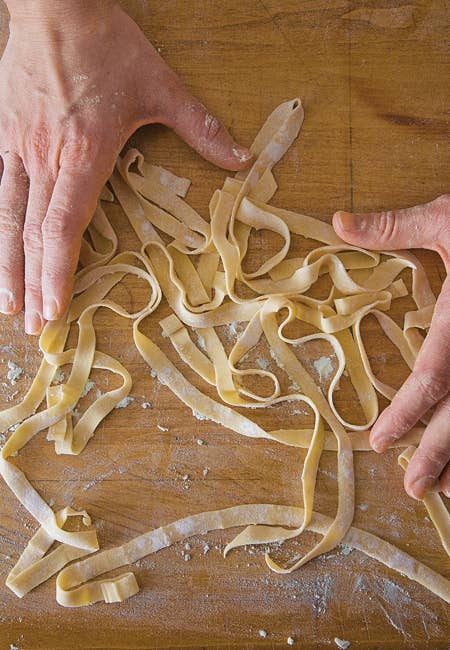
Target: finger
(203,131)
(13,202)
(427,384)
(71,208)
(444,482)
(41,188)
(416,227)
(432,454)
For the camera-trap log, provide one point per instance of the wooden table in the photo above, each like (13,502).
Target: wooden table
(374,83)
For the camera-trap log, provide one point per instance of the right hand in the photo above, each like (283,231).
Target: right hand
(428,386)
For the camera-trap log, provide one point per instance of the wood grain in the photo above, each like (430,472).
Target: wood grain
(374,82)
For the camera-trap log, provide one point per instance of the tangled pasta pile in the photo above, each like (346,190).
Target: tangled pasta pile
(200,274)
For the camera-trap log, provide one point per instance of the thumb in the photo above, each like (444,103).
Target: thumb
(204,132)
(416,227)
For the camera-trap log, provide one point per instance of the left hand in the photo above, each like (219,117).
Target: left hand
(77,79)
(422,226)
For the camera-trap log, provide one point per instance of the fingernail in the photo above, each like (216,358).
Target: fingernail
(446,492)
(7,304)
(421,486)
(349,221)
(51,311)
(242,154)
(33,322)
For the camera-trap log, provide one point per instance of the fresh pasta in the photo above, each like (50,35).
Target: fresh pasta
(196,266)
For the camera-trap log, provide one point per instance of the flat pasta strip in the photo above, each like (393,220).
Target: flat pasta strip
(201,276)
(34,567)
(75,588)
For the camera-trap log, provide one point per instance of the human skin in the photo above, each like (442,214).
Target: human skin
(77,78)
(428,386)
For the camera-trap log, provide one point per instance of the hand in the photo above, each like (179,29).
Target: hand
(76,80)
(423,226)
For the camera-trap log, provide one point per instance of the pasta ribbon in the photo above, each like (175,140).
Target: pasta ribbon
(197,265)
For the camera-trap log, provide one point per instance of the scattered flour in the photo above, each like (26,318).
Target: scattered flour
(299,412)
(161,428)
(59,377)
(87,388)
(262,363)
(126,401)
(14,372)
(275,358)
(242,156)
(323,367)
(90,101)
(328,473)
(199,415)
(232,331)
(346,550)
(76,78)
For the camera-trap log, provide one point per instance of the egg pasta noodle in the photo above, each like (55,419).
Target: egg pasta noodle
(197,266)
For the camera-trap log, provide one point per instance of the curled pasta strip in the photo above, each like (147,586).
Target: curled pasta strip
(64,401)
(34,567)
(72,440)
(200,274)
(75,586)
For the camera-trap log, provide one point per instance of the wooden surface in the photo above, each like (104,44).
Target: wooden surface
(374,81)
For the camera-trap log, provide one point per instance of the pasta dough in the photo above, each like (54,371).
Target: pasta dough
(200,274)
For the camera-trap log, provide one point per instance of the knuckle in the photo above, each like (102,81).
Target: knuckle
(40,143)
(432,384)
(81,150)
(435,455)
(439,210)
(31,237)
(32,286)
(57,225)
(10,221)
(85,152)
(387,226)
(212,127)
